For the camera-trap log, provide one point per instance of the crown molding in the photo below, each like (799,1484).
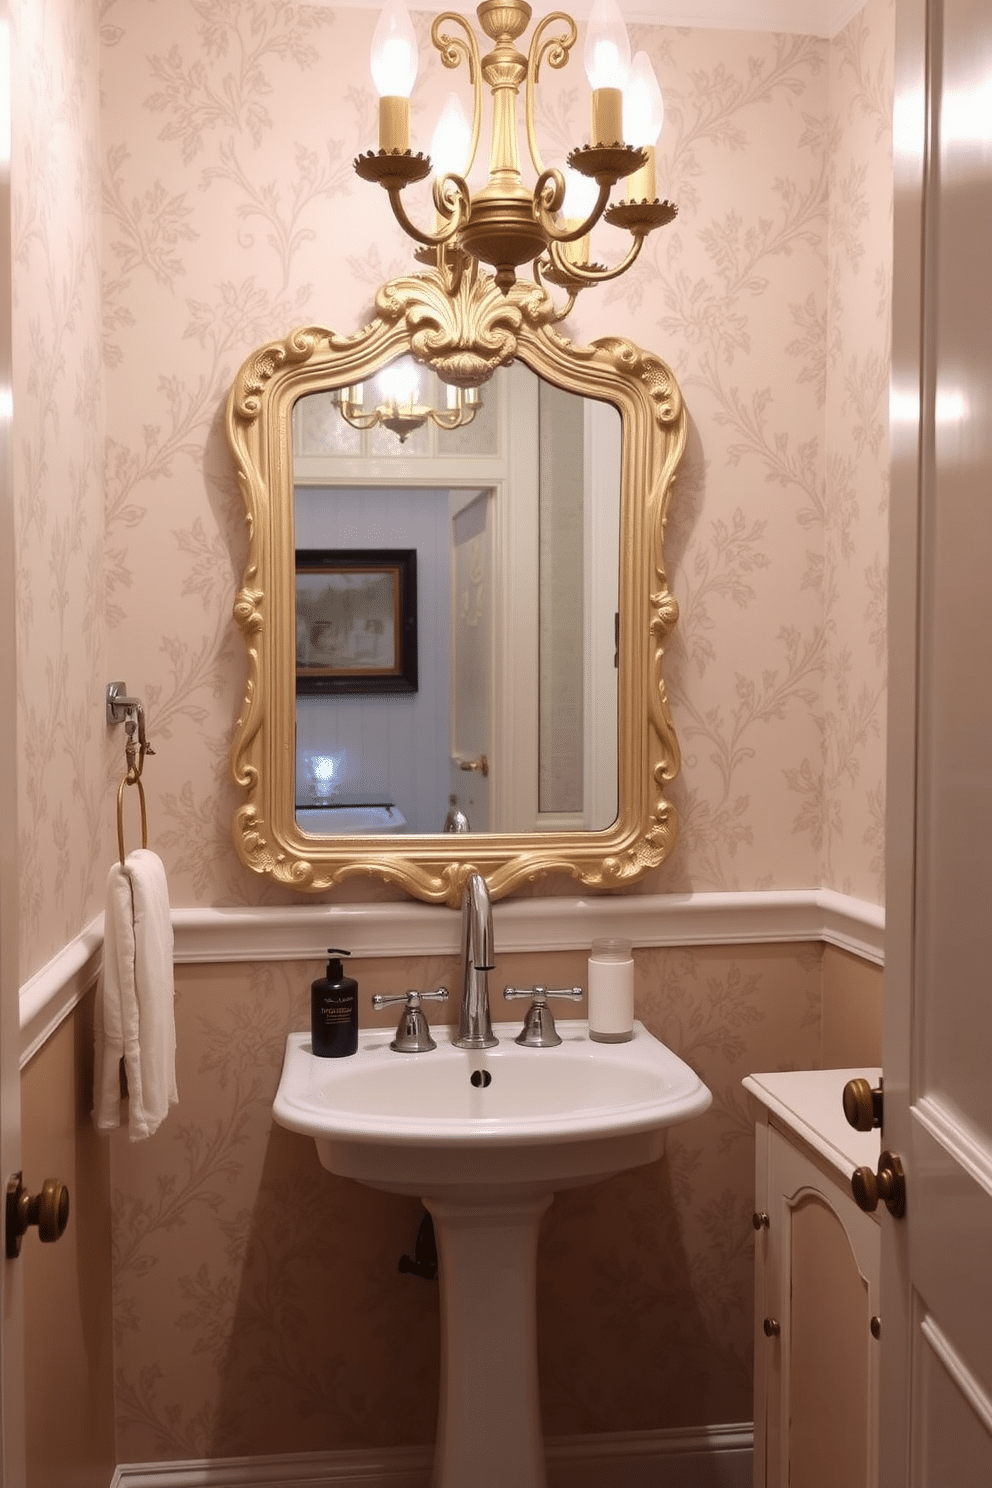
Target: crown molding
(799,17)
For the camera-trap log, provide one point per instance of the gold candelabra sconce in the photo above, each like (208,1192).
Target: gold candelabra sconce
(397,389)
(507,224)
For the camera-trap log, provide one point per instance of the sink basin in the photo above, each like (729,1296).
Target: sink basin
(455,1118)
(341,820)
(485,1138)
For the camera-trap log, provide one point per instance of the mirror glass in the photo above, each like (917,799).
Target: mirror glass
(457,604)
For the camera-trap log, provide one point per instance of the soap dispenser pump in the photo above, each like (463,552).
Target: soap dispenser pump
(334,1010)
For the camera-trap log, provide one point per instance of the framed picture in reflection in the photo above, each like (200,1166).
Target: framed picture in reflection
(356,620)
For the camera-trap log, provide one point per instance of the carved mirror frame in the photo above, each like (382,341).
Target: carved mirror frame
(464,331)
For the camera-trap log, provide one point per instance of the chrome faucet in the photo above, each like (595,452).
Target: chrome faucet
(475,1029)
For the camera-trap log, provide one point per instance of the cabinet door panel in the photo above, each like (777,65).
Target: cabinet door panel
(829,1322)
(821,1285)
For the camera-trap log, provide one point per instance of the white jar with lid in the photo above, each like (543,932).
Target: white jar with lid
(611,991)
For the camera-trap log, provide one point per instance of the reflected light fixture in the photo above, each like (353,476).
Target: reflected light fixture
(399,411)
(506,223)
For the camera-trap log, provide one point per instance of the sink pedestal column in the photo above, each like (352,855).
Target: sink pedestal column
(489,1411)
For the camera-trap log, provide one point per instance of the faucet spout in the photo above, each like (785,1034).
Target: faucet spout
(475,1029)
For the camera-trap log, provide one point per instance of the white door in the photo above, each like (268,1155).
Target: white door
(472,657)
(12,1471)
(936,1421)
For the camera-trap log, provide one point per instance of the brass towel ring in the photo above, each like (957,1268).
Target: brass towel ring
(120,812)
(130,712)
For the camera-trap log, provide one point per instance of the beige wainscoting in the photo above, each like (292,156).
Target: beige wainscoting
(67,1285)
(258,1305)
(852,1010)
(255,1302)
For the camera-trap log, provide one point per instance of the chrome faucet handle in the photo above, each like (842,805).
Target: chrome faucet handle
(539,1031)
(413,1035)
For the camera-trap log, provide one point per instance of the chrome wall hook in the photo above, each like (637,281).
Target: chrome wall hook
(120,707)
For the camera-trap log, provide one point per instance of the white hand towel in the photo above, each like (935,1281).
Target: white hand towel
(135,1007)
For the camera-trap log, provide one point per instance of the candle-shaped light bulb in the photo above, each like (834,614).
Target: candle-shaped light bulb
(607,62)
(400,383)
(643,117)
(581,194)
(394,63)
(451,139)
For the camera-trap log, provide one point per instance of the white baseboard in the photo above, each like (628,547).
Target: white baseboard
(702,1457)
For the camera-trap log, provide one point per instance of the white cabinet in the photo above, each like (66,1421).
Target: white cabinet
(816,1287)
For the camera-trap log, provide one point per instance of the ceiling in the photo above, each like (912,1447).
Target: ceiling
(807,17)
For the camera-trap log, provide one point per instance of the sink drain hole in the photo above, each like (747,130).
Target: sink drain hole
(481,1078)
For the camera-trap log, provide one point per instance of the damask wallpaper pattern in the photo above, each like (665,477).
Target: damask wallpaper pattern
(231,213)
(220,134)
(226,188)
(64,827)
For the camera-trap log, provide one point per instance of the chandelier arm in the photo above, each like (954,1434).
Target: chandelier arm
(452,50)
(571,295)
(457,200)
(556,49)
(359,421)
(451,262)
(547,203)
(584,274)
(451,418)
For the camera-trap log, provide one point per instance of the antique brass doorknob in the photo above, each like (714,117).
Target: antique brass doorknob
(49,1210)
(481,764)
(862,1105)
(887,1184)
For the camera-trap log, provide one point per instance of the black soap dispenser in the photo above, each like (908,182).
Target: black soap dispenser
(334,1011)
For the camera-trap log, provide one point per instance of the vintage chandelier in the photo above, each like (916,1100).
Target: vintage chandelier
(507,224)
(399,409)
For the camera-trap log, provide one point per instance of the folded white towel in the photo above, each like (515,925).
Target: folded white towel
(135,1007)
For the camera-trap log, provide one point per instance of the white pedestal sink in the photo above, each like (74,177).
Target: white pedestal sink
(485,1138)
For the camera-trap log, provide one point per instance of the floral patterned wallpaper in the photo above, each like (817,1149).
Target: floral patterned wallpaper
(228,133)
(64,827)
(226,186)
(843,806)
(220,134)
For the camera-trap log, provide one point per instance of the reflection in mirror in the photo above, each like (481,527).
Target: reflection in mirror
(398,405)
(510,502)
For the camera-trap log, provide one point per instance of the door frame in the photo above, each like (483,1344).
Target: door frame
(12,1449)
(932,1168)
(910,144)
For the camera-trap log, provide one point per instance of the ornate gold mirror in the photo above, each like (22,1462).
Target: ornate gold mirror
(455,604)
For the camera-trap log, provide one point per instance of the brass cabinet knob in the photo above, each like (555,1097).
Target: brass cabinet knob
(49,1210)
(887,1184)
(862,1105)
(772,1327)
(481,764)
